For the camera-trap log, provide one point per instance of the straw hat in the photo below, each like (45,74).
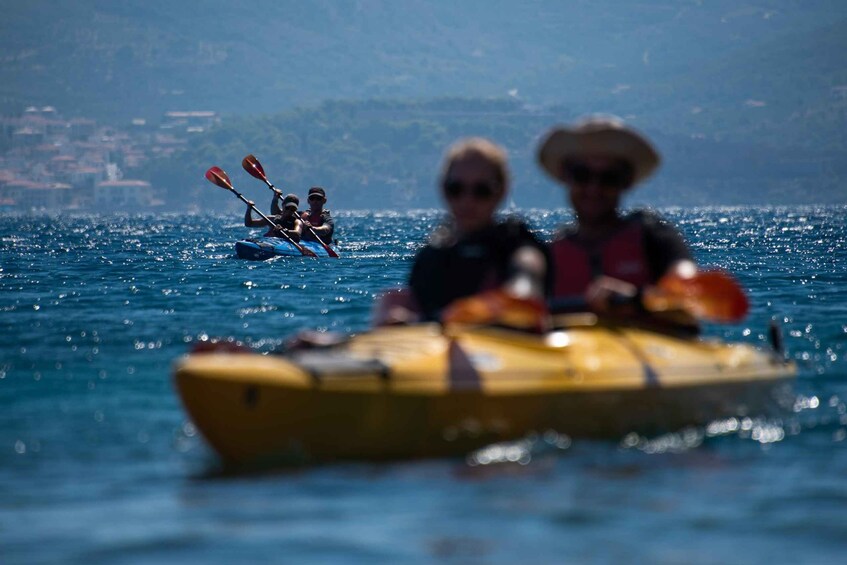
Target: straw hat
(606,136)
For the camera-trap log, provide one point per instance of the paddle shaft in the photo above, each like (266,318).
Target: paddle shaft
(709,295)
(329,249)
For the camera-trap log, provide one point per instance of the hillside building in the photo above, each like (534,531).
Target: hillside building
(122,195)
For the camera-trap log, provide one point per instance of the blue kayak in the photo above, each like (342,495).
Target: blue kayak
(261,248)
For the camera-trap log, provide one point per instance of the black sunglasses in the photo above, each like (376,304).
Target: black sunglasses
(616,176)
(315,197)
(480,190)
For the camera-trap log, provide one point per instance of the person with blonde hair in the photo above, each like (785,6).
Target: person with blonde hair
(473,251)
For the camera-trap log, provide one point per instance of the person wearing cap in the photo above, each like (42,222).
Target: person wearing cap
(472,252)
(285,217)
(317,218)
(607,256)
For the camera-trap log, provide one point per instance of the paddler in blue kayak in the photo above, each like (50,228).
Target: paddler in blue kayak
(472,252)
(284,217)
(606,256)
(317,217)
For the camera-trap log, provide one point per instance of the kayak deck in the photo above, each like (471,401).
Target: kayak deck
(261,248)
(419,392)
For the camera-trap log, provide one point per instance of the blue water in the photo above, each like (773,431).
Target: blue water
(99,464)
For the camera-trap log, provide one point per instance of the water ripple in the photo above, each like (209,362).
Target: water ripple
(93,311)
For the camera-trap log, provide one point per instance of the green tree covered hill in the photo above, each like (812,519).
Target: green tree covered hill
(747,99)
(107,59)
(383,154)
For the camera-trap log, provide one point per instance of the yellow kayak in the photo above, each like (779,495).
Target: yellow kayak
(425,391)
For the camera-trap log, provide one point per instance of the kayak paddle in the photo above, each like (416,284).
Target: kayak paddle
(712,295)
(498,306)
(254,169)
(217,176)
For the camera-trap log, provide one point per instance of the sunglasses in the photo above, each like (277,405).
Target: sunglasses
(480,191)
(617,176)
(315,197)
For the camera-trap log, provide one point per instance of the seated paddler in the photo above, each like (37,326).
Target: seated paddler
(473,253)
(607,259)
(284,218)
(317,220)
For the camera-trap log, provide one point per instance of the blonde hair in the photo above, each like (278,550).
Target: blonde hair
(480,148)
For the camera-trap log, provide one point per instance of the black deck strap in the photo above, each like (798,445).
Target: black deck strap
(309,340)
(651,377)
(775,337)
(567,304)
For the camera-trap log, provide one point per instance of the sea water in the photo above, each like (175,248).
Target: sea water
(99,462)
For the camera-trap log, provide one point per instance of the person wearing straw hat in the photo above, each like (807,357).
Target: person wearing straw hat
(605,254)
(285,218)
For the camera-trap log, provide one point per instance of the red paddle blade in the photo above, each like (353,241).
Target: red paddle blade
(710,295)
(497,306)
(253,167)
(216,175)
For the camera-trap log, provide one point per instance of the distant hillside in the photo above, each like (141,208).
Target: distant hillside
(747,99)
(116,60)
(386,155)
(790,91)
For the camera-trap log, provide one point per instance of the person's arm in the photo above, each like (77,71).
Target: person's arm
(306,220)
(527,273)
(666,253)
(305,216)
(250,221)
(666,249)
(297,231)
(327,228)
(605,294)
(425,283)
(275,208)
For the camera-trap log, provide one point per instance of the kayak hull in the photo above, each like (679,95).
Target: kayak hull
(415,392)
(261,248)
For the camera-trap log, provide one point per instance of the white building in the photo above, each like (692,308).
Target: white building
(122,195)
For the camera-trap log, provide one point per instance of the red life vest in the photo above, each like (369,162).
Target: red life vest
(622,256)
(317,222)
